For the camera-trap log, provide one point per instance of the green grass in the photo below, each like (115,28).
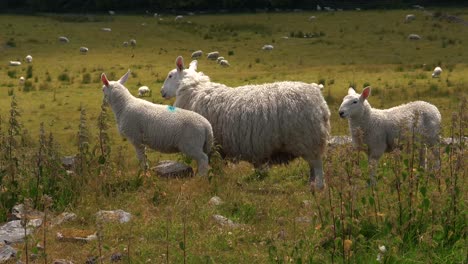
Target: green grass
(416,224)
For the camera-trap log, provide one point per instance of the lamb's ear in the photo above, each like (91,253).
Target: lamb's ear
(104,79)
(124,78)
(193,65)
(351,90)
(365,93)
(179,63)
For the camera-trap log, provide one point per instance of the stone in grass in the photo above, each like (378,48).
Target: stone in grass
(119,216)
(62,261)
(63,218)
(225,222)
(7,253)
(116,257)
(215,201)
(173,169)
(13,231)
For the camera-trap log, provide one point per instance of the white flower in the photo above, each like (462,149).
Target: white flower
(382,249)
(379,257)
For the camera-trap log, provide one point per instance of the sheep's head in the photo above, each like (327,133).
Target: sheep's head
(354,103)
(110,86)
(171,84)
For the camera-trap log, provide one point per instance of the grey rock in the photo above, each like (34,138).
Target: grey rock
(173,169)
(63,218)
(215,201)
(7,253)
(116,257)
(119,216)
(62,261)
(13,231)
(224,221)
(68,162)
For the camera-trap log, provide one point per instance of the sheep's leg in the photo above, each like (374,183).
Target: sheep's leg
(140,151)
(199,156)
(373,163)
(316,174)
(422,156)
(436,153)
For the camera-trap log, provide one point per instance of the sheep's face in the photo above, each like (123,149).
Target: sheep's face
(171,84)
(353,103)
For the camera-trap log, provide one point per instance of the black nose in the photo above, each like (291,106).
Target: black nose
(341,113)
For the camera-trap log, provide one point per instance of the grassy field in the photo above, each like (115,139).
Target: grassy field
(419,216)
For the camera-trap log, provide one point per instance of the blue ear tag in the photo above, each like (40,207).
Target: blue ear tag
(171,108)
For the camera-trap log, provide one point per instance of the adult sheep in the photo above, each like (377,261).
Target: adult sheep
(437,71)
(268,123)
(161,127)
(379,129)
(28,58)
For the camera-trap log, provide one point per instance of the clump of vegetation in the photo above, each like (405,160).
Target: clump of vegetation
(64,77)
(86,78)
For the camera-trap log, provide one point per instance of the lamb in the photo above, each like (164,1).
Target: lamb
(224,63)
(270,123)
(84,50)
(219,59)
(143,90)
(379,129)
(125,43)
(414,37)
(197,54)
(213,55)
(133,42)
(165,128)
(437,71)
(15,63)
(21,80)
(28,58)
(267,47)
(409,18)
(63,39)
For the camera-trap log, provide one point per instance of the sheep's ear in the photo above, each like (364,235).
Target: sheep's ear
(365,93)
(104,79)
(124,78)
(351,90)
(179,63)
(193,65)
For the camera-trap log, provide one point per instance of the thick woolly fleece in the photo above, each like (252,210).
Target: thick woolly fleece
(273,122)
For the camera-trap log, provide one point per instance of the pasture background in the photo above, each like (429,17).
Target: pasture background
(348,48)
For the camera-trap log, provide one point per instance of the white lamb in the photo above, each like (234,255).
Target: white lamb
(63,39)
(379,129)
(219,59)
(267,47)
(437,71)
(84,50)
(143,90)
(197,54)
(409,18)
(414,37)
(165,128)
(28,58)
(224,63)
(269,123)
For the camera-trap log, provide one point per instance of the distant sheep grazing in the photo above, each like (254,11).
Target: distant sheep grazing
(409,18)
(179,18)
(125,43)
(224,63)
(414,37)
(84,50)
(15,63)
(197,54)
(312,18)
(213,55)
(164,128)
(21,80)
(133,42)
(111,12)
(267,47)
(28,58)
(437,71)
(106,29)
(379,129)
(263,124)
(219,59)
(143,90)
(63,39)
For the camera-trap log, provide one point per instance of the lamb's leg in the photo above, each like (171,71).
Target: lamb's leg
(198,155)
(373,163)
(140,151)
(316,180)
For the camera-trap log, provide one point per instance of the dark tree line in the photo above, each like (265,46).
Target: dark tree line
(130,6)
